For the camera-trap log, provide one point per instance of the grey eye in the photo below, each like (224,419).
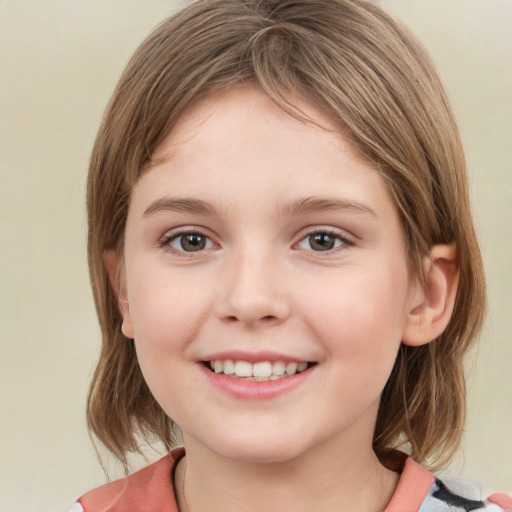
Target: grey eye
(321,242)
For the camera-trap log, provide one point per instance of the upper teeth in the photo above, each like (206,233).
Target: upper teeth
(264,370)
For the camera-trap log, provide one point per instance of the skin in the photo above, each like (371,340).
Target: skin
(259,284)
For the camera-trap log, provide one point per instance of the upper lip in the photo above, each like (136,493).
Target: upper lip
(253,357)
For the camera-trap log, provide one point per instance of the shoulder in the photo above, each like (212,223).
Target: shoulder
(147,490)
(420,491)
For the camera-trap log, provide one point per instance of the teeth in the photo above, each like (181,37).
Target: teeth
(278,368)
(229,367)
(261,371)
(291,368)
(242,368)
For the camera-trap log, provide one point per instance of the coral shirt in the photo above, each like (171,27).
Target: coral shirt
(151,490)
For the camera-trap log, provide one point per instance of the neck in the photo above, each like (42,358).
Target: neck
(331,477)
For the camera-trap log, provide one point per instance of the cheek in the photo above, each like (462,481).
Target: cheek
(165,323)
(360,318)
(161,308)
(166,316)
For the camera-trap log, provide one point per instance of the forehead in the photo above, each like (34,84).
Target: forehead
(220,116)
(240,144)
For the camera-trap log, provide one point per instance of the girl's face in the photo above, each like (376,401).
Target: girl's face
(265,242)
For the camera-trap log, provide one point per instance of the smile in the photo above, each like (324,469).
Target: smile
(260,371)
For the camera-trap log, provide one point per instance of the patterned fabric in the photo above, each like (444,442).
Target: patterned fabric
(151,490)
(442,499)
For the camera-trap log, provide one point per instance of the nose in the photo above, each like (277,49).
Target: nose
(253,292)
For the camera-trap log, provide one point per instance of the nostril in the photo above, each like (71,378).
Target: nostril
(267,318)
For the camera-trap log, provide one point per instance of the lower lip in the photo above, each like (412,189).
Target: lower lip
(256,390)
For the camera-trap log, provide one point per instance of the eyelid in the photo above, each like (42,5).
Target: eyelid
(347,239)
(173,234)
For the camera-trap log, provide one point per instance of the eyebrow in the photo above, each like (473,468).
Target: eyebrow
(307,205)
(301,206)
(185,205)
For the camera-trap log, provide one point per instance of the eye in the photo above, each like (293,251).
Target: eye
(322,241)
(190,241)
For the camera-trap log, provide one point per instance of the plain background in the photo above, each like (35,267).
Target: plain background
(59,62)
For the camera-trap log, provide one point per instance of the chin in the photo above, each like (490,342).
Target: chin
(259,450)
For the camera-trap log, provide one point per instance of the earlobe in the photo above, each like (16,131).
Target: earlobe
(113,267)
(433,301)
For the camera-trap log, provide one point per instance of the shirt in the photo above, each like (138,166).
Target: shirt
(152,490)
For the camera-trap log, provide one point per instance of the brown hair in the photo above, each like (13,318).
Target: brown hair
(371,76)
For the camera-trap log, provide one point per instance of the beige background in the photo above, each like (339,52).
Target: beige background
(59,62)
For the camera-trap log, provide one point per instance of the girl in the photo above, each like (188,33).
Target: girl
(284,263)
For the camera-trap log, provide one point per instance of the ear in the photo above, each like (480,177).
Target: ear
(432,302)
(114,270)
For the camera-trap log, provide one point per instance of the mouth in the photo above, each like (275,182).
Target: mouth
(260,371)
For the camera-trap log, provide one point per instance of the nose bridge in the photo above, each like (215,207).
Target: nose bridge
(252,290)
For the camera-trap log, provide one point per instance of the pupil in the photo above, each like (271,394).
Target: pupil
(322,242)
(193,242)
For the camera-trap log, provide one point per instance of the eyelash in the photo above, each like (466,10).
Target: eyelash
(165,241)
(345,240)
(168,238)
